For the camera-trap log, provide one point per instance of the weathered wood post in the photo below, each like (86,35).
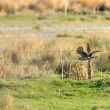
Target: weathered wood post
(70,70)
(62,63)
(62,66)
(89,62)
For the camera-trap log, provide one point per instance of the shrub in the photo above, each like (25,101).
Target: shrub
(46,61)
(79,71)
(76,70)
(75,6)
(14,58)
(40,7)
(102,63)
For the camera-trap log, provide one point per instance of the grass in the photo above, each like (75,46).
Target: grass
(31,18)
(29,60)
(54,93)
(57,94)
(57,18)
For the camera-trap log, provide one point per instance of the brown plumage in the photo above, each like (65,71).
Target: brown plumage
(84,55)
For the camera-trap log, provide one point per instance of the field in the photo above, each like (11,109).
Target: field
(46,90)
(56,94)
(33,61)
(57,19)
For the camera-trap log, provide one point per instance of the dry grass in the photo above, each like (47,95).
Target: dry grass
(33,57)
(14,61)
(40,7)
(95,5)
(28,45)
(79,71)
(102,63)
(6,103)
(75,6)
(12,6)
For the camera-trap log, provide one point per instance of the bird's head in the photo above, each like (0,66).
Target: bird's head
(80,49)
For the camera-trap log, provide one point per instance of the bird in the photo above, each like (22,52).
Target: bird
(84,55)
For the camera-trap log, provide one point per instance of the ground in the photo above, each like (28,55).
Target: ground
(32,19)
(57,94)
(54,93)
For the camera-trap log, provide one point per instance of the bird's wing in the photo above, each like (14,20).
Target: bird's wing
(83,54)
(91,53)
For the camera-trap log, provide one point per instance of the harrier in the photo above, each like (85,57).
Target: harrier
(84,55)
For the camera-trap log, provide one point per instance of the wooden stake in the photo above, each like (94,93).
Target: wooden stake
(62,69)
(89,70)
(89,62)
(70,70)
(62,65)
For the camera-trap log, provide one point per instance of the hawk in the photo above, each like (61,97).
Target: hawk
(84,55)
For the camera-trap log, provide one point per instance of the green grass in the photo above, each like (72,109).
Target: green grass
(30,17)
(54,93)
(57,94)
(49,19)
(16,19)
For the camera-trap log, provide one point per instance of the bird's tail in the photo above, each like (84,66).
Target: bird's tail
(87,58)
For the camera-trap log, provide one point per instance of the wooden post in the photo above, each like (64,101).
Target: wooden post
(89,70)
(101,74)
(89,63)
(70,70)
(62,64)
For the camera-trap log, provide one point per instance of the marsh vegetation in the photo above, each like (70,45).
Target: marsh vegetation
(31,60)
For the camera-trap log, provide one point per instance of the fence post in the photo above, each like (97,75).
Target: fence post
(101,74)
(70,70)
(62,64)
(89,62)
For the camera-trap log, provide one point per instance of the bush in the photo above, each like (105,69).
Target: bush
(102,63)
(76,70)
(14,58)
(45,61)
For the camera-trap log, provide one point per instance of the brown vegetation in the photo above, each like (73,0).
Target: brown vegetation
(89,6)
(33,58)
(79,71)
(6,103)
(75,6)
(29,45)
(40,7)
(95,5)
